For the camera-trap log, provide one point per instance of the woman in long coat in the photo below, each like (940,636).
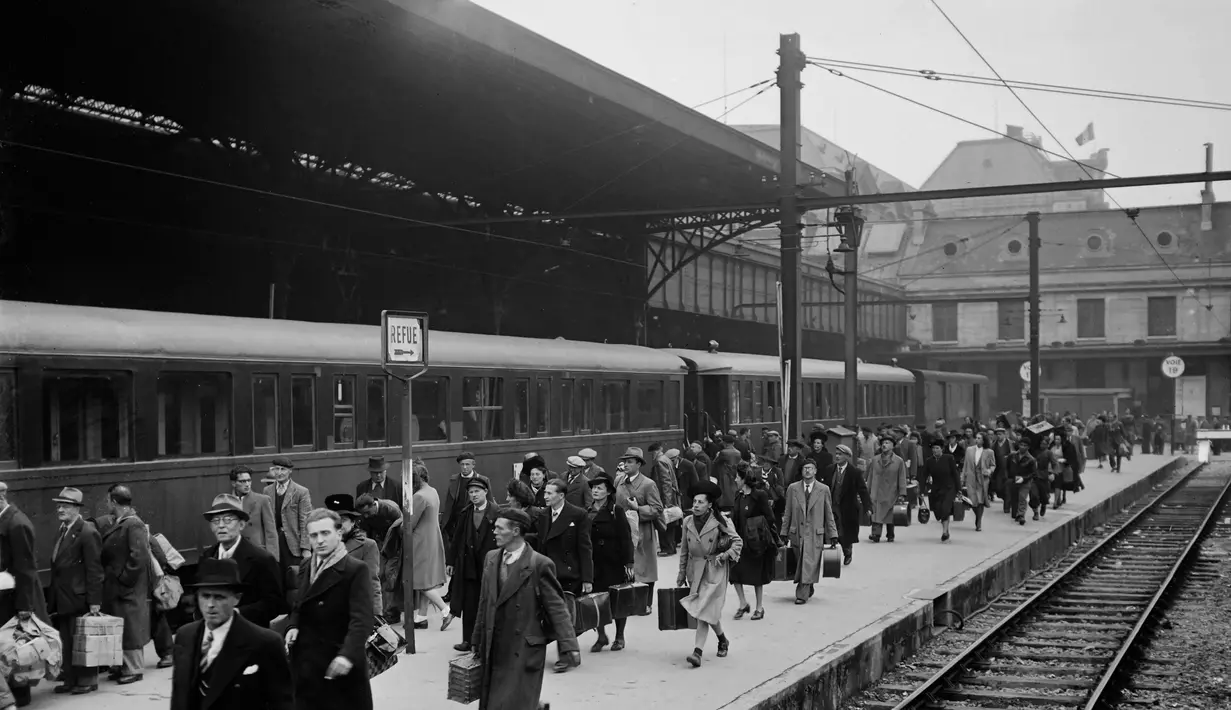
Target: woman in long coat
(886,486)
(710,547)
(755,523)
(808,523)
(611,542)
(126,584)
(939,482)
(429,546)
(977,470)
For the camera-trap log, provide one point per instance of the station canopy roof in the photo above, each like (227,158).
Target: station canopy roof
(442,93)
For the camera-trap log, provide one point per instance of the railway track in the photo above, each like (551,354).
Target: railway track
(1074,642)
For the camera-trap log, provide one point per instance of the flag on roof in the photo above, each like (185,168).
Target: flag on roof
(1086,135)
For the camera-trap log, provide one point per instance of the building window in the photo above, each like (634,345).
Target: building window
(8,416)
(1091,315)
(194,413)
(542,405)
(482,408)
(1094,243)
(376,421)
(649,404)
(566,406)
(614,405)
(1011,319)
(673,404)
(585,406)
(303,411)
(264,413)
(1164,239)
(343,411)
(521,407)
(1092,373)
(86,417)
(1015,246)
(944,322)
(429,402)
(1161,321)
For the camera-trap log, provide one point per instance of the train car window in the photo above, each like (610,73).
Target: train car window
(303,411)
(771,401)
(566,406)
(343,435)
(430,408)
(376,421)
(585,406)
(674,404)
(87,417)
(733,403)
(8,416)
(649,404)
(521,407)
(482,408)
(264,413)
(747,413)
(810,392)
(194,413)
(758,401)
(542,406)
(615,405)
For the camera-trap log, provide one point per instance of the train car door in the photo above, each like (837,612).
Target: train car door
(714,403)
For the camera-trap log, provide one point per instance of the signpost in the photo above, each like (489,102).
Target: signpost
(1024,372)
(404,346)
(1173,366)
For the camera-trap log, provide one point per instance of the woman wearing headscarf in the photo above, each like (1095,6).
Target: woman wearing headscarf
(710,546)
(611,543)
(977,470)
(939,482)
(755,523)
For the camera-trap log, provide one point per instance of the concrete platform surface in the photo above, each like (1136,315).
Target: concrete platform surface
(652,668)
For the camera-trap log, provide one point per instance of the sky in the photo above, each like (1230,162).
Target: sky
(697,50)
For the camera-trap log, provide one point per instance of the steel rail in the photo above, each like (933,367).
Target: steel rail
(1114,677)
(927,693)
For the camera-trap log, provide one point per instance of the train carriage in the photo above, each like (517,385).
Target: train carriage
(951,396)
(168,402)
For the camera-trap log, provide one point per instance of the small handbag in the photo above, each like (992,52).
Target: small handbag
(382,648)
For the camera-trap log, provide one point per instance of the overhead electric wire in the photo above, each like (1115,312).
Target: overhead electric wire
(970,250)
(953,77)
(1131,214)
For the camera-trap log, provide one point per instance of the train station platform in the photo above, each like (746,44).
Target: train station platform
(880,610)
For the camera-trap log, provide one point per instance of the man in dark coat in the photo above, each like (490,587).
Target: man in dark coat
(686,477)
(379,485)
(564,537)
(578,485)
(1002,449)
(76,585)
(331,622)
(726,470)
(457,496)
(821,457)
(851,499)
(224,661)
(700,461)
(473,538)
(520,591)
(126,580)
(1022,469)
(264,598)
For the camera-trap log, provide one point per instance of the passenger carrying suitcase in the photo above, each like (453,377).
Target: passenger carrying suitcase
(901,515)
(671,616)
(959,510)
(631,599)
(593,611)
(785,564)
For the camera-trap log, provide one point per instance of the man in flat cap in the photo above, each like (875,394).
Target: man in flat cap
(851,498)
(473,538)
(662,471)
(265,597)
(292,503)
(519,592)
(592,468)
(457,497)
(578,492)
(224,660)
(76,585)
(380,485)
(262,527)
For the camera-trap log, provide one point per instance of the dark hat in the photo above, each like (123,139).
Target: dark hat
(728,439)
(816,434)
(465,456)
(952,434)
(516,515)
(531,462)
(709,489)
(225,503)
(531,455)
(72,496)
(284,462)
(342,504)
(633,452)
(478,482)
(377,463)
(604,480)
(796,443)
(211,572)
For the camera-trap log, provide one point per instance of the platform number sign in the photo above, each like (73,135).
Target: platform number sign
(1173,366)
(405,338)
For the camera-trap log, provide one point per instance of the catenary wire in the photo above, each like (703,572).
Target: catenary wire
(1132,215)
(990,240)
(953,77)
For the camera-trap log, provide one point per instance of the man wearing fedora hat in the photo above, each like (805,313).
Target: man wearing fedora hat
(265,598)
(637,494)
(76,584)
(224,661)
(379,485)
(578,485)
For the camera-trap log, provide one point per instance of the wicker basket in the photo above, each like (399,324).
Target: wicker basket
(465,679)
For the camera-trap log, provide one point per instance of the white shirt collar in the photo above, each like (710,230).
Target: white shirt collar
(481,508)
(219,638)
(556,510)
(512,556)
(226,553)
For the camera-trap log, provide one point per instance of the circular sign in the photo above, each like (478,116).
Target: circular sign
(1024,371)
(1173,366)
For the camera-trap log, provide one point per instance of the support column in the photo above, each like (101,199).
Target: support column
(852,230)
(790,65)
(1036,370)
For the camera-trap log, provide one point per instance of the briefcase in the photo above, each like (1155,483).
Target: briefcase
(959,510)
(831,562)
(671,615)
(465,679)
(785,564)
(630,599)
(901,515)
(593,611)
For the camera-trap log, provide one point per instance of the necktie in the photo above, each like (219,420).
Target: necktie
(55,551)
(807,494)
(206,644)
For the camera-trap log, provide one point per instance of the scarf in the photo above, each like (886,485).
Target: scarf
(338,554)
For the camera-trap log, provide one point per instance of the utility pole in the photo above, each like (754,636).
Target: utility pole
(791,63)
(851,223)
(1036,371)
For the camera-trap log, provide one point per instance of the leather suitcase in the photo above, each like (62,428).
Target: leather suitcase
(593,611)
(959,510)
(631,599)
(901,515)
(831,562)
(671,616)
(785,564)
